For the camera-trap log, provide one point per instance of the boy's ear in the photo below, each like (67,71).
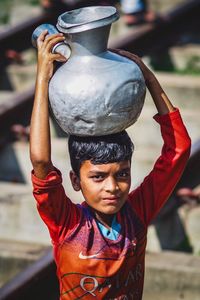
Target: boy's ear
(75,181)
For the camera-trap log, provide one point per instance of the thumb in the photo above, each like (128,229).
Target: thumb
(59,57)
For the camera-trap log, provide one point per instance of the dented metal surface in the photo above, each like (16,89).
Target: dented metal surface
(96,92)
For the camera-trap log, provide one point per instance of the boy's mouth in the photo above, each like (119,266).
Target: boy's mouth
(111,199)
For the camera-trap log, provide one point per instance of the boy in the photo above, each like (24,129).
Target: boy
(99,246)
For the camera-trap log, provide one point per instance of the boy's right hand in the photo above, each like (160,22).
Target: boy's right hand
(46,58)
(161,101)
(147,73)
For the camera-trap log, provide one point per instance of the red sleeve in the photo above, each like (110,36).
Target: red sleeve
(57,211)
(151,195)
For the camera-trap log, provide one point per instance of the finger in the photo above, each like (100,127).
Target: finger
(128,55)
(119,51)
(58,57)
(123,52)
(115,50)
(52,36)
(53,42)
(41,37)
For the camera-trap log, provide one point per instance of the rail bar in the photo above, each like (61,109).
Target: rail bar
(15,109)
(37,281)
(154,38)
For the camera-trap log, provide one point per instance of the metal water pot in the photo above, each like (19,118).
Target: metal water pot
(96,92)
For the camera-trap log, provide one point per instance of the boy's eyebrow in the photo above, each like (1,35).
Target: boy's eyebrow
(97,172)
(124,170)
(103,173)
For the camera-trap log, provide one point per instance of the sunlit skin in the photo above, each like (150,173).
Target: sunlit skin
(105,187)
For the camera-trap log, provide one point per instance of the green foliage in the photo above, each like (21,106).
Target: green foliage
(4,18)
(5,6)
(192,66)
(33,2)
(184,246)
(163,62)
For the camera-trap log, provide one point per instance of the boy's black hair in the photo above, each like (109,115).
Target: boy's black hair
(99,149)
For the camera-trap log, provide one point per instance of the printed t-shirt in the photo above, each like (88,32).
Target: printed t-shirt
(91,266)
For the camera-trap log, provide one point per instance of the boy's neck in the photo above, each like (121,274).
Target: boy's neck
(105,219)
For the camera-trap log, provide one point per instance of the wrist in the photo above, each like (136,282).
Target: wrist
(43,74)
(42,79)
(151,81)
(42,86)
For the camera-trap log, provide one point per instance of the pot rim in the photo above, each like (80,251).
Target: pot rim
(90,18)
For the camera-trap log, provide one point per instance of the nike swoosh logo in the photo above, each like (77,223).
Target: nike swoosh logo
(81,256)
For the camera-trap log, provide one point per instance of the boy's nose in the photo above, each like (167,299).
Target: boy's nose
(111,185)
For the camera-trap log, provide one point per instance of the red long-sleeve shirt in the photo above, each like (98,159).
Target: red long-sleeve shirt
(90,266)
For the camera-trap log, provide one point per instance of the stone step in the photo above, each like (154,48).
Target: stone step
(185,56)
(16,256)
(21,250)
(19,77)
(190,217)
(186,224)
(172,276)
(5,96)
(19,219)
(164,6)
(183,90)
(22,77)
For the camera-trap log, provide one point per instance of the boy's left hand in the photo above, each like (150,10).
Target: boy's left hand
(161,101)
(148,75)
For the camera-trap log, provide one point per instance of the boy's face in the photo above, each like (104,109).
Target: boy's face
(105,187)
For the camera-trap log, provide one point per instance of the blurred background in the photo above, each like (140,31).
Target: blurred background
(166,35)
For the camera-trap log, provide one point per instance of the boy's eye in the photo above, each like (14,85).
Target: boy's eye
(123,174)
(97,177)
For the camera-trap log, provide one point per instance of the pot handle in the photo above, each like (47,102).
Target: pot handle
(62,48)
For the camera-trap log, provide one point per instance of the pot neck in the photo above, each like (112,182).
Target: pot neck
(90,42)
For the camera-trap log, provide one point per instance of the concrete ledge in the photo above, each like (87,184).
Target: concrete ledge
(171,275)
(16,256)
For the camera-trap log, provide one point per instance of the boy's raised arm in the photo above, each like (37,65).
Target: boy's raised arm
(40,142)
(157,186)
